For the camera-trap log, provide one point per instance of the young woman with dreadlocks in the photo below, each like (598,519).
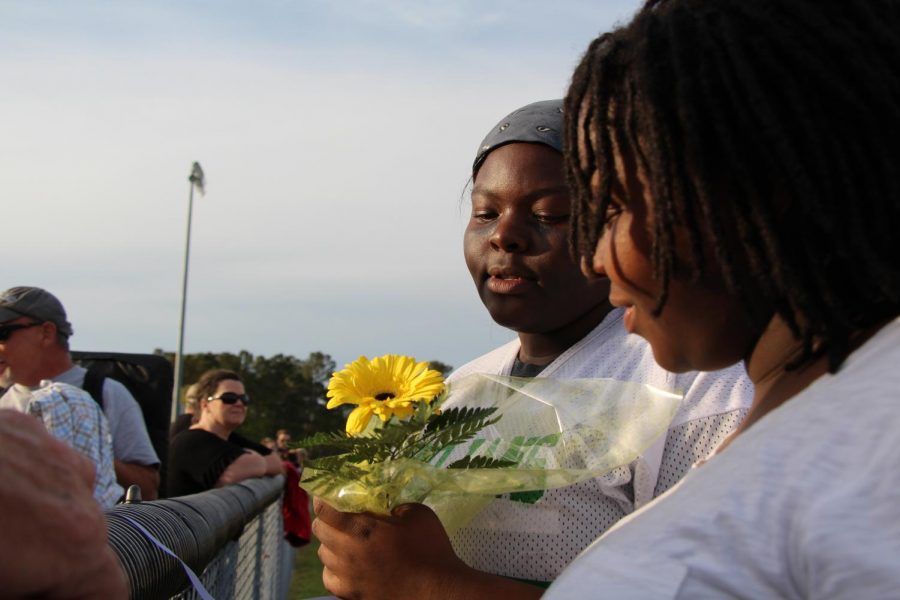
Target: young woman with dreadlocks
(734,167)
(516,247)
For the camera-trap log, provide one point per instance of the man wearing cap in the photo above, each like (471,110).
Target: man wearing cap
(34,346)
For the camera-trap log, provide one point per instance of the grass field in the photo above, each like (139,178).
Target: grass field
(306,582)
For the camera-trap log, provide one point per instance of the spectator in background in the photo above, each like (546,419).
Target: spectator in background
(35,347)
(74,418)
(282,444)
(295,506)
(210,454)
(190,415)
(54,542)
(268,443)
(302,455)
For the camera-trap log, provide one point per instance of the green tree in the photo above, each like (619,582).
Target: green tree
(437,365)
(286,392)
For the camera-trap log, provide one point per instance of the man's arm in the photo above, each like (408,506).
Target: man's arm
(145,476)
(48,487)
(136,461)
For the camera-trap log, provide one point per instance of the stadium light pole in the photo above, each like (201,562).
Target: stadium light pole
(197,180)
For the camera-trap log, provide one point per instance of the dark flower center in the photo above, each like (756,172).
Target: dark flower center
(384,396)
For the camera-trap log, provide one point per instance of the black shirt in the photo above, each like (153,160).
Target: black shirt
(181,423)
(521,369)
(197,458)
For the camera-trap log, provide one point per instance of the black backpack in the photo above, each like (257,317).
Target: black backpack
(149,378)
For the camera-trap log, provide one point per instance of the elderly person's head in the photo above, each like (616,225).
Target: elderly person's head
(34,335)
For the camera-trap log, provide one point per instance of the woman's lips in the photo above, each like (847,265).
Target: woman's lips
(509,284)
(629,316)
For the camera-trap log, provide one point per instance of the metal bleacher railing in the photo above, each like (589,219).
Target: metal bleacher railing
(232,538)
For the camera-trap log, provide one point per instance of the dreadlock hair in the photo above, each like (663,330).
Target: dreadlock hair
(769,132)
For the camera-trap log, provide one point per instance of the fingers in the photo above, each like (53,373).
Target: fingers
(344,532)
(48,487)
(337,586)
(418,517)
(339,520)
(330,560)
(338,553)
(324,532)
(105,580)
(413,511)
(24,438)
(13,419)
(378,557)
(114,583)
(320,505)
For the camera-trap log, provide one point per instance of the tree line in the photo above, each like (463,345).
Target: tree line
(286,392)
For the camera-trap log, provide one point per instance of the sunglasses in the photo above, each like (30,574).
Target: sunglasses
(232,398)
(7,330)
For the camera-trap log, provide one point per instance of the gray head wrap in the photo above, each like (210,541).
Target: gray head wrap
(540,122)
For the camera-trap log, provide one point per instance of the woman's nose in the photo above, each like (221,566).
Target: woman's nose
(592,266)
(511,234)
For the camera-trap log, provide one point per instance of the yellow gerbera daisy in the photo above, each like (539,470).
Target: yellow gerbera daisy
(385,386)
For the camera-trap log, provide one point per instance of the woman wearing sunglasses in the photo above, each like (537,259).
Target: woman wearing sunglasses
(210,454)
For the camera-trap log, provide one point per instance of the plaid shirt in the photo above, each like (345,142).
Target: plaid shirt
(73,417)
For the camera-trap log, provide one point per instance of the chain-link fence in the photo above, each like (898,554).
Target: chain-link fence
(232,538)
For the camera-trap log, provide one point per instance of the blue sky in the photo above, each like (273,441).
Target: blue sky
(336,137)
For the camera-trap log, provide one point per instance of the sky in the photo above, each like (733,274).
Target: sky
(336,136)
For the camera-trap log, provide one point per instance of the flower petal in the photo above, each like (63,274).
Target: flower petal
(359,418)
(401,377)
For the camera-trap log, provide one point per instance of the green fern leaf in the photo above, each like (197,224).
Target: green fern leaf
(481,462)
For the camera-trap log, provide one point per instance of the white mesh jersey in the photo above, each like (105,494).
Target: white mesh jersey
(536,535)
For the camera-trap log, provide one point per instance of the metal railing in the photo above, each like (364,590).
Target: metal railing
(232,537)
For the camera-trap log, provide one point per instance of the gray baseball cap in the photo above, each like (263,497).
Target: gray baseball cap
(539,123)
(25,301)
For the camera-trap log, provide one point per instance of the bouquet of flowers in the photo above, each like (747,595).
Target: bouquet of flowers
(455,446)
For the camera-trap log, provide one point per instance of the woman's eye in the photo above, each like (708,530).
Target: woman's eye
(612,211)
(551,219)
(483,215)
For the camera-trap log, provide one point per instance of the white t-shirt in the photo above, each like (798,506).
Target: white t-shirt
(536,535)
(804,504)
